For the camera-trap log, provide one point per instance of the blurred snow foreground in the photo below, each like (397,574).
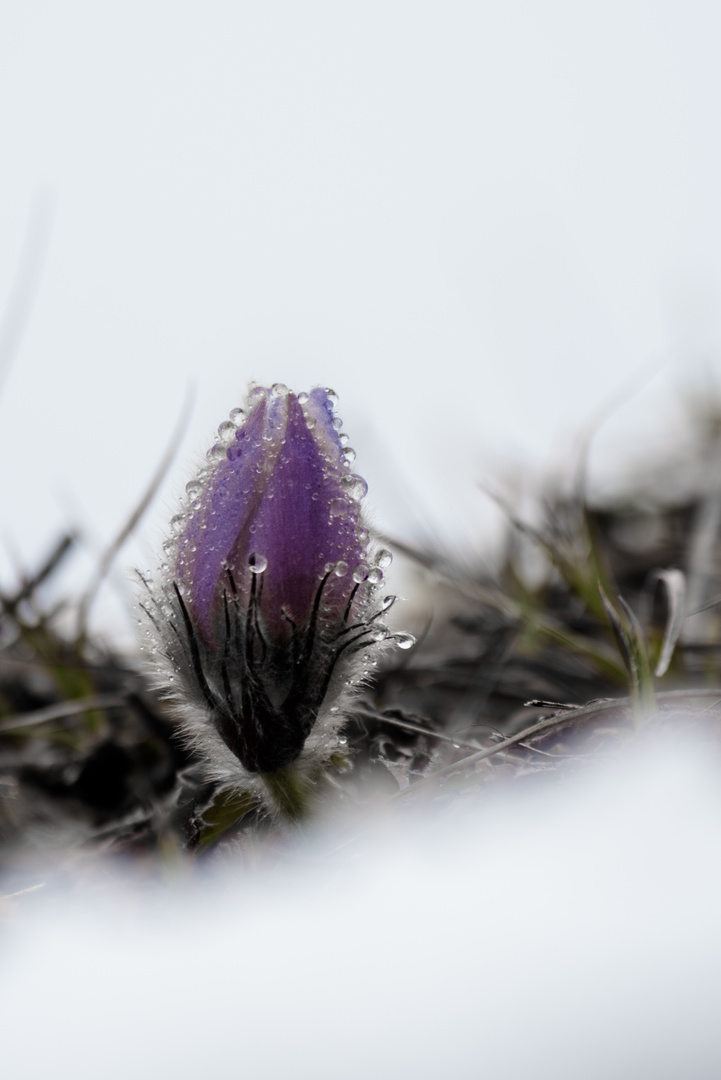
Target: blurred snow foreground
(567,931)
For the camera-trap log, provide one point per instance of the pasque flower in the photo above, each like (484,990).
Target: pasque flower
(269,601)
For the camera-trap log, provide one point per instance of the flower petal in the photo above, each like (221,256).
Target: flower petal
(226,508)
(304,519)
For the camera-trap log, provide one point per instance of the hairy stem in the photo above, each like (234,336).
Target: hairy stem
(290,792)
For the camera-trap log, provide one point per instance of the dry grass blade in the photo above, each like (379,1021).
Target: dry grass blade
(132,521)
(623,639)
(408,725)
(19,304)
(638,381)
(60,711)
(56,556)
(647,696)
(674,583)
(542,727)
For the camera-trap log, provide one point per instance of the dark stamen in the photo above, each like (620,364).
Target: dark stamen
(227,689)
(313,621)
(151,617)
(351,598)
(231,579)
(195,653)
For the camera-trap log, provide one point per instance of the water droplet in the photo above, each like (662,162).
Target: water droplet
(404,641)
(342,741)
(226,432)
(176,524)
(237,416)
(303,398)
(216,452)
(348,456)
(257,563)
(193,489)
(383,558)
(341,569)
(337,423)
(354,486)
(338,507)
(388,602)
(363,536)
(280,389)
(332,397)
(334,709)
(343,439)
(360,573)
(375,574)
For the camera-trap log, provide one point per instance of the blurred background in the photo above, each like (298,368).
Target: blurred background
(478,222)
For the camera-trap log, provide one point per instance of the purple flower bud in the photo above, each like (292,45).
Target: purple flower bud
(270,591)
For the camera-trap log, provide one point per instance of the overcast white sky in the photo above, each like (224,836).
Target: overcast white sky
(474,220)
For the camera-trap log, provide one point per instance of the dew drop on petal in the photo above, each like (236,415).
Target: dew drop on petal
(176,524)
(348,456)
(280,389)
(354,486)
(302,398)
(226,432)
(343,439)
(404,641)
(341,569)
(332,396)
(360,573)
(193,489)
(237,416)
(337,423)
(388,602)
(383,558)
(375,574)
(257,564)
(338,507)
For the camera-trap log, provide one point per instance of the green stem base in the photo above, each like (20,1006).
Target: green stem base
(290,792)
